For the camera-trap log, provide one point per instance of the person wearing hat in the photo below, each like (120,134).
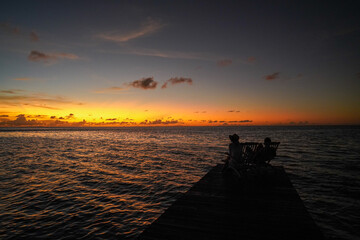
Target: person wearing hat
(234,150)
(234,154)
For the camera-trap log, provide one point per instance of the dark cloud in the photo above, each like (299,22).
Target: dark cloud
(231,111)
(20,121)
(272,76)
(159,121)
(224,62)
(70,116)
(34,37)
(245,121)
(144,83)
(36,56)
(177,80)
(52,117)
(111,119)
(4,115)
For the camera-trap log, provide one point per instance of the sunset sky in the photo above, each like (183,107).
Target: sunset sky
(140,63)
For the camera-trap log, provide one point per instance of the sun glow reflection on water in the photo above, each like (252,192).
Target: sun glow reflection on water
(107,183)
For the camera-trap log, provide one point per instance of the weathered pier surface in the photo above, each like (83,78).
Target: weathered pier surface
(264,206)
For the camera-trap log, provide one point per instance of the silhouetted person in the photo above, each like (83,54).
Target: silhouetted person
(265,153)
(234,159)
(234,150)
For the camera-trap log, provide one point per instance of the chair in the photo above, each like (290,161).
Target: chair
(275,146)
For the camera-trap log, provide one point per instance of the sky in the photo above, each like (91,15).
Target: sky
(179,63)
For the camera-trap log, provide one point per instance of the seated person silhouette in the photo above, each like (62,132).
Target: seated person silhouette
(265,153)
(234,159)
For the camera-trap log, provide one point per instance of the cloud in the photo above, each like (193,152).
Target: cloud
(111,119)
(168,54)
(36,56)
(251,59)
(224,62)
(144,83)
(159,121)
(212,121)
(16,97)
(9,29)
(245,121)
(4,116)
(22,79)
(34,37)
(148,27)
(11,91)
(110,89)
(231,111)
(21,121)
(41,106)
(70,116)
(272,76)
(177,80)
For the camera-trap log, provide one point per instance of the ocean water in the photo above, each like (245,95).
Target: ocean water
(108,183)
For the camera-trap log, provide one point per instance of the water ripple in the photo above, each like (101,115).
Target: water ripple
(112,183)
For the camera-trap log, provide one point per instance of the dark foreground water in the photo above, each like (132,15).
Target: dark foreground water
(112,183)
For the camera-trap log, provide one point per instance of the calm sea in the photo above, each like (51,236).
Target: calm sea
(111,183)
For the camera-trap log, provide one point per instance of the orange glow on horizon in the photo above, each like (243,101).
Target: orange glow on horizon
(112,116)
